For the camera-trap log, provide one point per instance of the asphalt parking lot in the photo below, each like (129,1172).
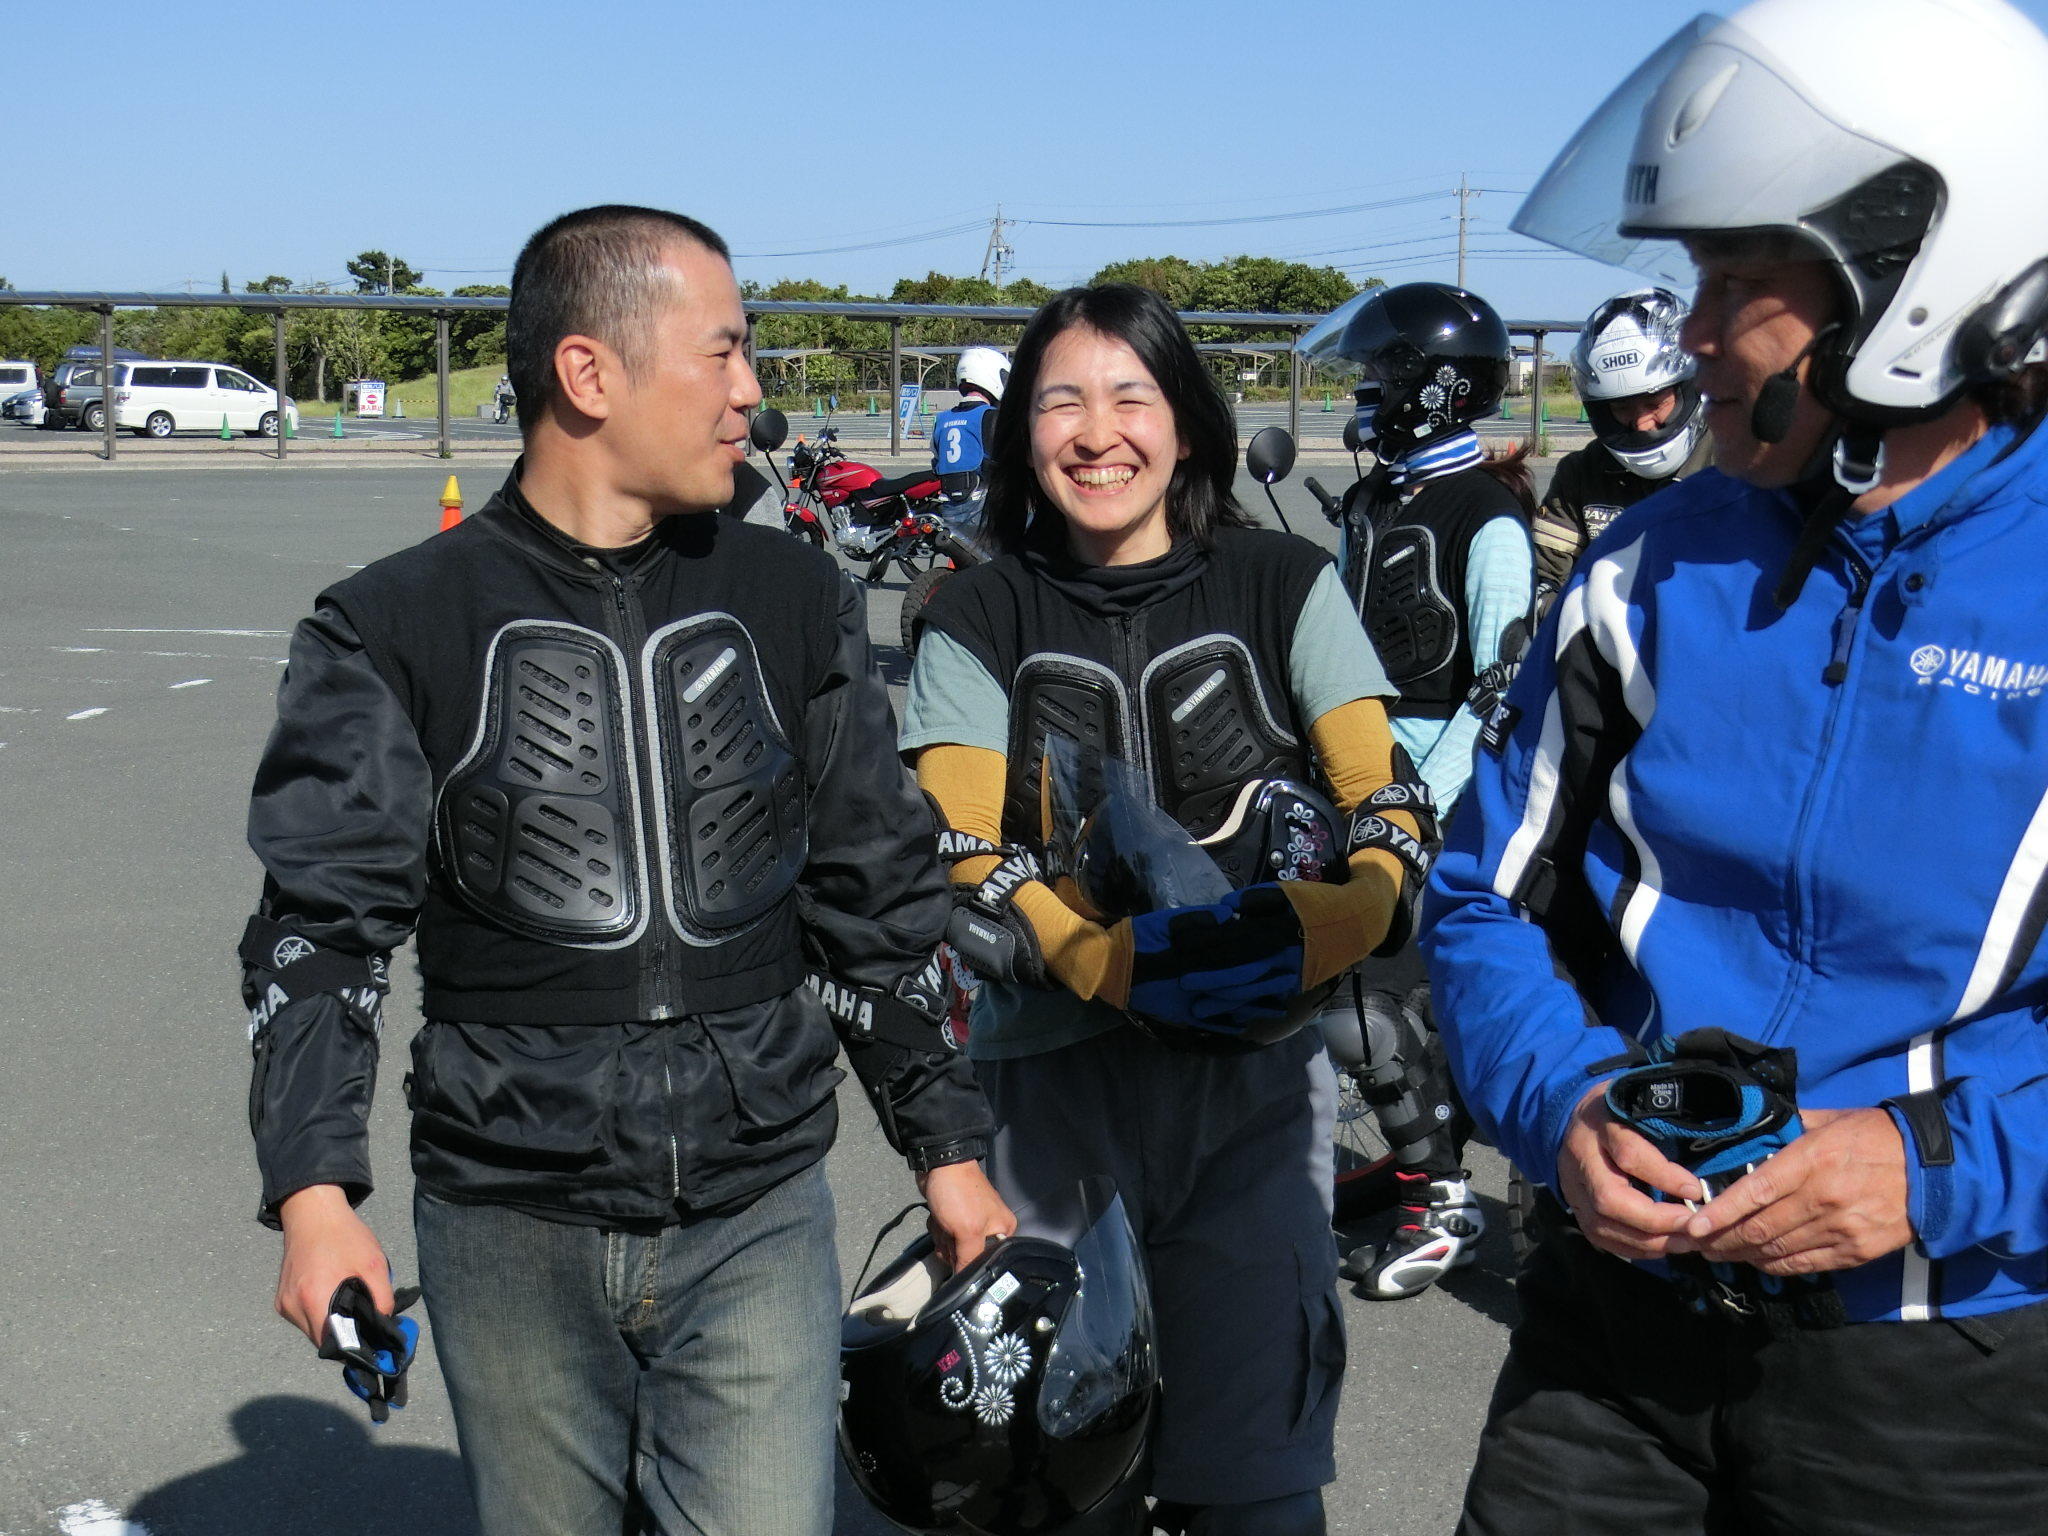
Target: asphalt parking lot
(145,1385)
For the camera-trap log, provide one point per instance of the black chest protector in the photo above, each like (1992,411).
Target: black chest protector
(552,822)
(1404,565)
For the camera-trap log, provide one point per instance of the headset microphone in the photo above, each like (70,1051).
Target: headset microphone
(1770,419)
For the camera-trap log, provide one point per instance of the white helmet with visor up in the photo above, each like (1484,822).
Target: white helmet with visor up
(1902,141)
(1629,348)
(985,369)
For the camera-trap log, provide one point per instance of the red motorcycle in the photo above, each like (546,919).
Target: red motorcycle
(840,503)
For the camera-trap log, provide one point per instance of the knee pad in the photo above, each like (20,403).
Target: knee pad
(1394,1039)
(1298,1514)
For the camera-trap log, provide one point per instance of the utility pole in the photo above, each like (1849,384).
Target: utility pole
(1465,195)
(389,260)
(998,253)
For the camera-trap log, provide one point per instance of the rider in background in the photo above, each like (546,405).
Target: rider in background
(502,398)
(1637,385)
(1436,559)
(959,433)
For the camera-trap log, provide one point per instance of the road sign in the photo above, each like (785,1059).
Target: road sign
(906,405)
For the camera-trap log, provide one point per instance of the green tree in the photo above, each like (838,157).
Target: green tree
(1173,278)
(380,272)
(270,284)
(477,337)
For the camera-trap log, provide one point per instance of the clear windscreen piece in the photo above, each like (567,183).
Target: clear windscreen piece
(1101,1354)
(1576,204)
(1124,855)
(1319,344)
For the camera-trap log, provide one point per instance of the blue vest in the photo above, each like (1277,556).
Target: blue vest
(956,439)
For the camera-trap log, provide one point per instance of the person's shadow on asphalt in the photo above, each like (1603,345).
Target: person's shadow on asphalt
(309,1469)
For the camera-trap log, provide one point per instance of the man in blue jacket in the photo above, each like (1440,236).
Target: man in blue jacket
(1778,766)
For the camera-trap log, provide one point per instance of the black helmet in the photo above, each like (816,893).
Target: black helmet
(1111,853)
(1436,355)
(1014,1396)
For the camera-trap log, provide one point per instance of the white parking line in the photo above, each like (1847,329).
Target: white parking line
(95,1517)
(193,682)
(245,634)
(86,714)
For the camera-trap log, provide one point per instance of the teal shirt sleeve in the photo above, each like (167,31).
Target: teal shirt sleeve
(1331,662)
(953,699)
(1500,576)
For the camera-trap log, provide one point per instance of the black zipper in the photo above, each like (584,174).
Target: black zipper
(657,1001)
(1837,669)
(1129,629)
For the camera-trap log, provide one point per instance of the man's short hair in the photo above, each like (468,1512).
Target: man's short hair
(596,272)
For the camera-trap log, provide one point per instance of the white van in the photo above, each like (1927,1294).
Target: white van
(157,399)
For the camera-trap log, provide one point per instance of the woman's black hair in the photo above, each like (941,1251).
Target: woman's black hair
(1199,498)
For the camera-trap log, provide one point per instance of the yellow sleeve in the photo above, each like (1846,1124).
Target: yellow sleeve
(968,783)
(1342,924)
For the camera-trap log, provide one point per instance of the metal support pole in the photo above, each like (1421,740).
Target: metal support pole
(1536,397)
(283,378)
(895,388)
(441,376)
(107,378)
(1294,391)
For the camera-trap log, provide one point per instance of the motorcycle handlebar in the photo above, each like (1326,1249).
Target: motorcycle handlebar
(1330,504)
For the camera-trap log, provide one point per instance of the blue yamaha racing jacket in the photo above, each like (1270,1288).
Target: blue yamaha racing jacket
(1825,828)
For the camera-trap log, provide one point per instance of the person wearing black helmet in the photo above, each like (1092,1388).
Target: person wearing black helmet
(1636,382)
(1437,562)
(1135,608)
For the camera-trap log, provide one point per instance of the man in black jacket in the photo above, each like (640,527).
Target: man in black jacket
(624,770)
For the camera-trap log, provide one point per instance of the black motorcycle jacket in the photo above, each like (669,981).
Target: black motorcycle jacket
(623,803)
(1590,490)
(1179,665)
(1405,556)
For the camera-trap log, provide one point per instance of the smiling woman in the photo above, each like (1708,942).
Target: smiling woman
(1136,608)
(1122,432)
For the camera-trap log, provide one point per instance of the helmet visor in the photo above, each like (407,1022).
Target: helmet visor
(1319,345)
(1576,205)
(1101,1360)
(1123,854)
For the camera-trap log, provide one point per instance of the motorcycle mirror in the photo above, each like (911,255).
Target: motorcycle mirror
(768,430)
(1351,439)
(1270,455)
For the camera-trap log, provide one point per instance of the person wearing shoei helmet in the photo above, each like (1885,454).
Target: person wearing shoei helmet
(1700,830)
(1637,385)
(1135,617)
(960,432)
(1436,559)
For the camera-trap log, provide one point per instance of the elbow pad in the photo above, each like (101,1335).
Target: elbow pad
(1371,828)
(280,967)
(986,930)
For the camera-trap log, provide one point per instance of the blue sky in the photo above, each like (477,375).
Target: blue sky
(448,132)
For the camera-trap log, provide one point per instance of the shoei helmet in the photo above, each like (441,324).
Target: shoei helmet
(1014,1396)
(1900,141)
(1432,359)
(1630,347)
(985,369)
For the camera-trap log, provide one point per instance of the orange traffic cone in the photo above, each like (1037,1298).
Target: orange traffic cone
(451,504)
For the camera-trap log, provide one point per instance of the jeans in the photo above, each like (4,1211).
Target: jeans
(693,1369)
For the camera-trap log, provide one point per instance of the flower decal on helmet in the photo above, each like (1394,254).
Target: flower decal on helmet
(993,1405)
(1007,1360)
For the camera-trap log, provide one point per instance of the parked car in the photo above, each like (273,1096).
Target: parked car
(21,395)
(156,399)
(24,406)
(64,394)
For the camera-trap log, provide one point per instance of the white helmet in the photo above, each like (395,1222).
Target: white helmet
(1902,139)
(1629,346)
(985,369)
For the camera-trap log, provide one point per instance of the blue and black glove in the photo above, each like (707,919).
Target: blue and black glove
(1718,1105)
(1220,968)
(375,1348)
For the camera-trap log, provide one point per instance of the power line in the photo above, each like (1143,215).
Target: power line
(1260,218)
(870,245)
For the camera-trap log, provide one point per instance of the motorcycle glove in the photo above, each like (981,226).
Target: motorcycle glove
(375,1348)
(1219,967)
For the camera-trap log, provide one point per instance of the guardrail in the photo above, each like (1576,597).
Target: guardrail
(280,305)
